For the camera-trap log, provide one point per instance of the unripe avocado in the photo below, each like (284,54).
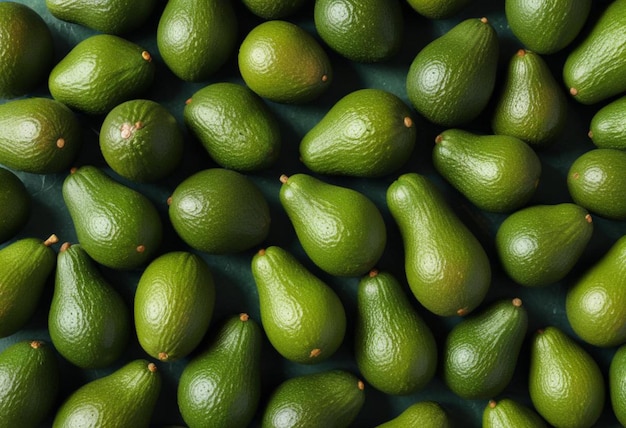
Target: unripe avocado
(394,348)
(497,173)
(539,245)
(195,38)
(596,304)
(331,399)
(29,383)
(565,383)
(88,321)
(107,16)
(452,78)
(27,263)
(340,229)
(438,9)
(446,266)
(234,125)
(423,414)
(221,386)
(360,30)
(173,305)
(546,27)
(219,211)
(274,9)
(531,105)
(596,180)
(507,413)
(367,133)
(101,72)
(481,352)
(124,398)
(280,61)
(15,204)
(617,384)
(26,49)
(117,226)
(303,317)
(596,69)
(608,127)
(38,135)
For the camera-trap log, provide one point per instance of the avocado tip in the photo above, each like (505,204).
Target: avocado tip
(408,122)
(492,404)
(146,56)
(573,91)
(36,344)
(438,139)
(521,52)
(588,218)
(244,317)
(373,273)
(517,302)
(163,356)
(283,178)
(484,20)
(462,312)
(52,239)
(60,143)
(152,367)
(360,385)
(315,353)
(65,247)
(140,248)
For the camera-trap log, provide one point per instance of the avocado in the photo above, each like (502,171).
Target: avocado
(340,229)
(173,305)
(451,80)
(15,204)
(88,321)
(101,72)
(303,318)
(38,135)
(219,211)
(539,245)
(557,360)
(607,129)
(617,388)
(195,38)
(438,9)
(330,398)
(446,266)
(394,348)
(506,413)
(124,398)
(423,414)
(221,386)
(116,225)
(274,9)
(481,352)
(27,265)
(497,173)
(595,69)
(531,105)
(234,125)
(367,133)
(29,383)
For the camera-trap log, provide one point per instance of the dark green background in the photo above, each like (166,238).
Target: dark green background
(236,290)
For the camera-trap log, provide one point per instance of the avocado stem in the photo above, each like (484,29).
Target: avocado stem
(521,52)
(588,218)
(325,78)
(283,178)
(484,20)
(408,122)
(36,344)
(61,142)
(373,273)
(360,385)
(188,101)
(163,356)
(146,55)
(244,317)
(517,302)
(461,312)
(52,239)
(492,404)
(573,91)
(73,170)
(152,367)
(315,353)
(590,134)
(261,252)
(66,246)
(141,248)
(438,139)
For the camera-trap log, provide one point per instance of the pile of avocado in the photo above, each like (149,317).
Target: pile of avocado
(312,213)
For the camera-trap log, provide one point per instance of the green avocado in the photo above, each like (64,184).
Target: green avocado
(15,204)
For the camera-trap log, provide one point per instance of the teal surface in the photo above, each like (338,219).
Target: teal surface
(236,290)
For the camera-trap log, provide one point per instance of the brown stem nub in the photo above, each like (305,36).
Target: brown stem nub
(573,91)
(517,302)
(261,252)
(438,139)
(484,20)
(163,356)
(283,178)
(408,122)
(152,367)
(521,52)
(360,385)
(492,404)
(146,55)
(373,273)
(315,353)
(244,317)
(462,312)
(588,218)
(36,344)
(52,239)
(66,246)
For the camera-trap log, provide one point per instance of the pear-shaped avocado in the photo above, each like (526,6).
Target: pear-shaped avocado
(234,125)
(117,226)
(89,322)
(370,32)
(26,265)
(124,398)
(546,27)
(446,266)
(596,304)
(497,173)
(38,135)
(174,304)
(607,129)
(394,348)
(107,16)
(531,105)
(303,317)
(617,386)
(438,9)
(596,69)
(330,399)
(507,413)
(481,352)
(423,414)
(340,229)
(368,133)
(565,383)
(221,387)
(15,204)
(596,180)
(195,38)
(539,245)
(219,211)
(101,72)
(29,383)
(452,78)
